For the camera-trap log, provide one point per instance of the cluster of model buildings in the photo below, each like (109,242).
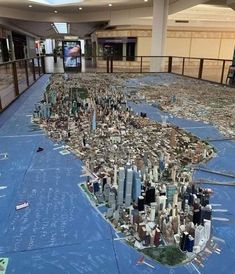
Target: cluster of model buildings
(202,101)
(142,166)
(153,212)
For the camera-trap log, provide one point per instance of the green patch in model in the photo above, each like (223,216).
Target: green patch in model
(168,255)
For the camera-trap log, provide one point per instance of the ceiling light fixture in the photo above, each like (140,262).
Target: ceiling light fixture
(56,2)
(61,28)
(30,6)
(80,8)
(55,11)
(110,5)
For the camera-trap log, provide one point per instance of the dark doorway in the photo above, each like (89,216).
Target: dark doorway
(4,50)
(19,41)
(130,51)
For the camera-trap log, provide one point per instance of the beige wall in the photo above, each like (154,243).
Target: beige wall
(144,46)
(227,46)
(201,44)
(204,47)
(178,47)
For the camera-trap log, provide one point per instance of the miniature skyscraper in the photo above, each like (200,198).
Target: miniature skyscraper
(129,183)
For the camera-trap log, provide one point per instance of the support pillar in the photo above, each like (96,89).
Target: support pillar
(159,29)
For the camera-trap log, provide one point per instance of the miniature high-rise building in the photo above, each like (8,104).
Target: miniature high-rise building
(150,195)
(155,174)
(135,214)
(112,200)
(207,226)
(184,240)
(199,235)
(96,187)
(141,203)
(190,244)
(157,237)
(197,215)
(173,138)
(206,213)
(170,191)
(104,182)
(106,192)
(94,120)
(129,183)
(136,190)
(153,212)
(115,177)
(121,184)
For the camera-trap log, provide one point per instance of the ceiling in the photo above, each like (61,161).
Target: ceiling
(45,30)
(87,5)
(205,13)
(96,14)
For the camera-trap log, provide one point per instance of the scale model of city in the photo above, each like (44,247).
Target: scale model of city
(139,169)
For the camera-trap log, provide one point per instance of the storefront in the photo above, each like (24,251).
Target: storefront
(121,48)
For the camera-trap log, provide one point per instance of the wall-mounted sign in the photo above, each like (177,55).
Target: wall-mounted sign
(117,40)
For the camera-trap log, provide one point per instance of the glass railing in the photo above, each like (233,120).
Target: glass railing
(17,76)
(214,70)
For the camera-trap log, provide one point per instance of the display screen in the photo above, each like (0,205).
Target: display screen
(72,54)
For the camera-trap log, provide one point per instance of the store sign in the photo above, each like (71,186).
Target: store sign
(121,40)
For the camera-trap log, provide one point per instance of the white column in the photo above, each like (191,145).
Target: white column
(159,28)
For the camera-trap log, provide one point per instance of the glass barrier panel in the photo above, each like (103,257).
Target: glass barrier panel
(51,66)
(146,62)
(127,64)
(226,69)
(30,71)
(177,65)
(21,76)
(7,88)
(159,64)
(37,67)
(212,70)
(191,67)
(94,64)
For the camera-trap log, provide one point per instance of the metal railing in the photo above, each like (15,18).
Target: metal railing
(17,76)
(214,70)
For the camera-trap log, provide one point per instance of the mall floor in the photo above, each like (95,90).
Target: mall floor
(52,67)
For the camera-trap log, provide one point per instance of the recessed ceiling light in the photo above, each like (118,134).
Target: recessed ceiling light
(55,11)
(30,6)
(145,0)
(80,8)
(110,5)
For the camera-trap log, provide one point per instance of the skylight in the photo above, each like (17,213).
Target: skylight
(61,28)
(56,2)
